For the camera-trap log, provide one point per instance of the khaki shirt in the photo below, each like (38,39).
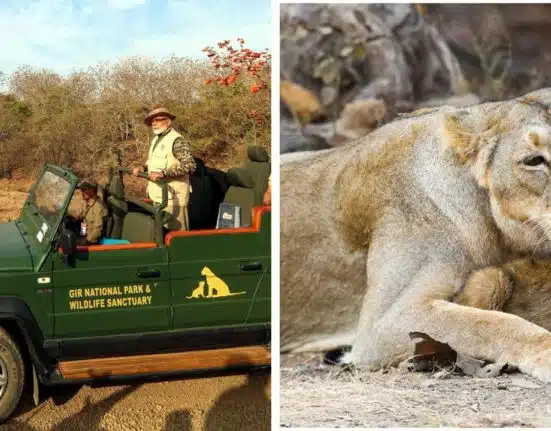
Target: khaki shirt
(92,213)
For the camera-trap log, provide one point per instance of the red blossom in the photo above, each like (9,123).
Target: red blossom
(229,62)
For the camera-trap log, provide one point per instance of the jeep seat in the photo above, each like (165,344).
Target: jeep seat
(117,208)
(203,202)
(258,165)
(138,227)
(241,193)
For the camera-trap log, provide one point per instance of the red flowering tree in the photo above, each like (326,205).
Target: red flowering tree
(247,69)
(231,63)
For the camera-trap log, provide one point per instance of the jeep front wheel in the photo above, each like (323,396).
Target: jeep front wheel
(12,375)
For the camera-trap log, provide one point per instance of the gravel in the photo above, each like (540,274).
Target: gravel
(234,402)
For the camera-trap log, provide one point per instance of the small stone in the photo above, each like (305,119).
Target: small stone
(300,32)
(501,386)
(346,51)
(325,30)
(490,370)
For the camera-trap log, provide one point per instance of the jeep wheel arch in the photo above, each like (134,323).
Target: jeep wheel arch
(18,320)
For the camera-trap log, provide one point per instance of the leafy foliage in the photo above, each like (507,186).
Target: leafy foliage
(81,119)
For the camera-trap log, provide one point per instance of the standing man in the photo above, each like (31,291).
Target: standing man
(169,158)
(91,212)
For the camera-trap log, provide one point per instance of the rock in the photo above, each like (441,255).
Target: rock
(517,38)
(468,365)
(490,370)
(343,53)
(293,139)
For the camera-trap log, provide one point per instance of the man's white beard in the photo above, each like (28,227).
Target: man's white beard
(158,131)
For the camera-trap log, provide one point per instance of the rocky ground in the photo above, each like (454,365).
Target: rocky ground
(230,402)
(315,395)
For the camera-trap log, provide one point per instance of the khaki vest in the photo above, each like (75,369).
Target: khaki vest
(161,157)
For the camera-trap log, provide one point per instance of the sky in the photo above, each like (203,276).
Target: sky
(70,35)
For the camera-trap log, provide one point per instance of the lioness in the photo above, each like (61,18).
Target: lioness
(380,234)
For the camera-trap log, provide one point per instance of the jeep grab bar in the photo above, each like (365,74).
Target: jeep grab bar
(162,183)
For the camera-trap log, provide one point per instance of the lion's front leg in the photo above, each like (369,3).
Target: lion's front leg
(484,334)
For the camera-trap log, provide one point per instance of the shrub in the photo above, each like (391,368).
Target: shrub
(80,120)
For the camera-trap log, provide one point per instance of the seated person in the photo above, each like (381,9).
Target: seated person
(90,211)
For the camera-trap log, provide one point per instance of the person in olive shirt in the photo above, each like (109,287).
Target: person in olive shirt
(90,211)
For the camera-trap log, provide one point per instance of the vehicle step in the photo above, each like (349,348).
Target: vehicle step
(165,362)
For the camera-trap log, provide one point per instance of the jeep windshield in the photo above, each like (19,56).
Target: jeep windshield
(50,195)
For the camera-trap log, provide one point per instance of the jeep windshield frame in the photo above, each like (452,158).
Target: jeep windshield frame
(43,211)
(49,196)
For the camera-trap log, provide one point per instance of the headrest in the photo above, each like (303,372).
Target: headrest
(116,188)
(257,154)
(239,177)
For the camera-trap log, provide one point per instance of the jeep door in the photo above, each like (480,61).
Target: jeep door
(112,289)
(214,277)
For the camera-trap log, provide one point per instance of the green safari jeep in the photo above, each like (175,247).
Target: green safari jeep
(160,303)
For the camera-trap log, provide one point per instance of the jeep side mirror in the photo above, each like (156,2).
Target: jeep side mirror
(68,243)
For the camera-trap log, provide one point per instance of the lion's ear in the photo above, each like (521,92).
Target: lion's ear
(472,143)
(458,134)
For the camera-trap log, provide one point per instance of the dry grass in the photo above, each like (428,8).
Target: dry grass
(12,196)
(314,395)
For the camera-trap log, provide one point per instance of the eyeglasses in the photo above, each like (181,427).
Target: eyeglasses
(159,119)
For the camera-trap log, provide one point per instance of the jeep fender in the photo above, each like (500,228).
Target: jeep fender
(14,310)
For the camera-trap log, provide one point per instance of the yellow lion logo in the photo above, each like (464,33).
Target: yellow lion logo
(216,287)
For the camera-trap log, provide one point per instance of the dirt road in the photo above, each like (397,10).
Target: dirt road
(313,395)
(231,402)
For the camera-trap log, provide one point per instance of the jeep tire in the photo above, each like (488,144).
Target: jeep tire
(12,375)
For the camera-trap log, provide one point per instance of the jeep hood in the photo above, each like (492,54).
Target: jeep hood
(14,252)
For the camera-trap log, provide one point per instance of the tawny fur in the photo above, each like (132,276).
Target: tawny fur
(360,117)
(521,287)
(378,236)
(303,102)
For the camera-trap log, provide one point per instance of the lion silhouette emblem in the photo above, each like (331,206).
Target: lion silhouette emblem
(216,287)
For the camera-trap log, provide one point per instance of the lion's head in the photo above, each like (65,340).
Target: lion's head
(508,146)
(206,271)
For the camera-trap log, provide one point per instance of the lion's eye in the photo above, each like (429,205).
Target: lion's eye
(534,161)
